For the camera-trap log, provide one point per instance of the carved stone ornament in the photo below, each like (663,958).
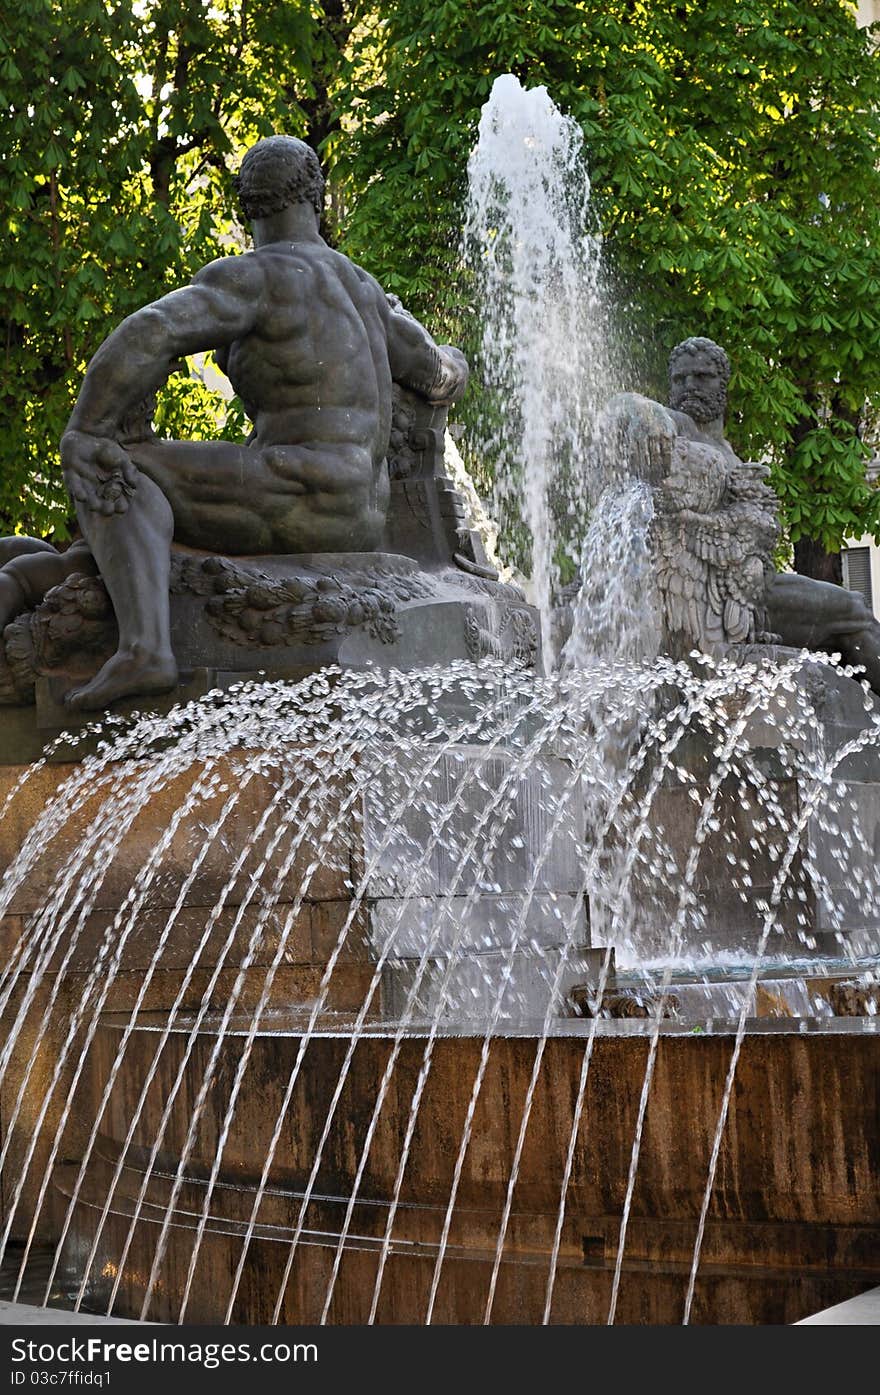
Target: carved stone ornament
(854,998)
(621,1003)
(515,640)
(405,443)
(252,608)
(715,528)
(302,603)
(72,627)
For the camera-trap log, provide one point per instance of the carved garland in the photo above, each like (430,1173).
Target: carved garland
(514,641)
(252,608)
(75,621)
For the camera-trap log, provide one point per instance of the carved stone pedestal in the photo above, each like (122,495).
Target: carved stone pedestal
(277,617)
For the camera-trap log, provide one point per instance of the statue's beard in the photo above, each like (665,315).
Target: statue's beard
(702,406)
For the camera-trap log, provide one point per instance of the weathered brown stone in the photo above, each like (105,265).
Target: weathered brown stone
(323,825)
(794,1219)
(853,999)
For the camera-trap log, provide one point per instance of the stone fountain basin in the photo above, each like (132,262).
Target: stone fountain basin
(793,1224)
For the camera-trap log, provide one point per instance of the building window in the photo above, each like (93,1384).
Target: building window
(857,571)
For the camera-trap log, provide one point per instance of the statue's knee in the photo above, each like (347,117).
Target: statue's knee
(13,547)
(37,572)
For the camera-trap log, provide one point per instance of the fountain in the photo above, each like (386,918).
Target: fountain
(380,972)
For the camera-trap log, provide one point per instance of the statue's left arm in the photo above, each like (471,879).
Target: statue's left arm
(438,372)
(219,306)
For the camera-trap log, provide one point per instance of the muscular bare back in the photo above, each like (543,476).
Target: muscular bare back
(315,366)
(310,344)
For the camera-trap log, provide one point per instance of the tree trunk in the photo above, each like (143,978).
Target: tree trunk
(811,559)
(320,112)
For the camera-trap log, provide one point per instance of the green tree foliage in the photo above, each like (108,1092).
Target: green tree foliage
(732,150)
(733,156)
(119,123)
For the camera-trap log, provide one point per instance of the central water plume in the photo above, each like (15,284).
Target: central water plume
(550,360)
(536,265)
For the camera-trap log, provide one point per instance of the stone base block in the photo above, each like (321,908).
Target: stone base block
(275,883)
(794,825)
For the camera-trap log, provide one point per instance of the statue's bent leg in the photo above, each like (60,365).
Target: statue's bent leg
(218,492)
(862,649)
(133,554)
(25,578)
(15,593)
(819,615)
(19,545)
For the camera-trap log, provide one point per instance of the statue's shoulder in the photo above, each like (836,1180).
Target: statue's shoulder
(365,277)
(354,278)
(244,273)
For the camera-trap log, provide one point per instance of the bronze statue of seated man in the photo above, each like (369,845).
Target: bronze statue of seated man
(311,345)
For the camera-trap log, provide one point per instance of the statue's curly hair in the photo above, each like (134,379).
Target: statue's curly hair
(696,344)
(277,172)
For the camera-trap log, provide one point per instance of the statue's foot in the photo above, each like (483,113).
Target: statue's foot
(130,673)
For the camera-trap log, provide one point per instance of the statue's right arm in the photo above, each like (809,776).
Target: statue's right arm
(640,432)
(220,305)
